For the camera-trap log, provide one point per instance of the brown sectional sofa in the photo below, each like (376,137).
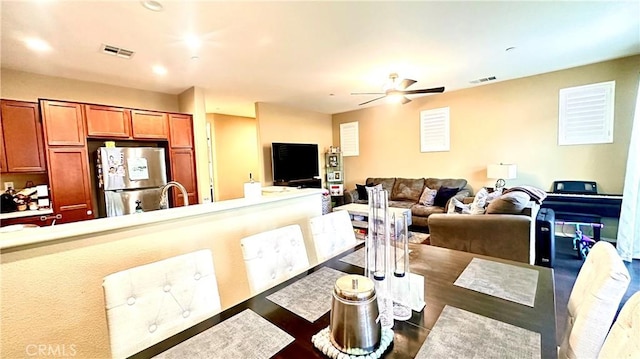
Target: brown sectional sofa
(406,192)
(507,236)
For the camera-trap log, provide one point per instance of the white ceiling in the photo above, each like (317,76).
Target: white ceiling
(312,55)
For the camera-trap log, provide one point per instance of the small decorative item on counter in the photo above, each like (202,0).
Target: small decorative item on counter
(33,206)
(139,206)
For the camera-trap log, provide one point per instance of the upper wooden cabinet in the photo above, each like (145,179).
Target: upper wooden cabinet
(111,122)
(63,123)
(181,127)
(149,125)
(21,143)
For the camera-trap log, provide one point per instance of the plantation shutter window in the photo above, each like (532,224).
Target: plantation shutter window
(434,130)
(586,114)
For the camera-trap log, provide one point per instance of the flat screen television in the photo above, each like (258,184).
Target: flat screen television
(294,161)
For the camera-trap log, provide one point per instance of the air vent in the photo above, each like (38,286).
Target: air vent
(116,51)
(484,79)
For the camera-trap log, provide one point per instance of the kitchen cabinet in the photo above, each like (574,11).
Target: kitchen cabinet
(22,144)
(181,130)
(183,170)
(105,121)
(149,125)
(69,179)
(63,123)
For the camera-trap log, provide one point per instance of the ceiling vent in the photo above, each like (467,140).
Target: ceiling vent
(116,51)
(484,79)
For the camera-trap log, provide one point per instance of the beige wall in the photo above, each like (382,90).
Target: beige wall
(25,86)
(510,122)
(53,294)
(285,124)
(236,146)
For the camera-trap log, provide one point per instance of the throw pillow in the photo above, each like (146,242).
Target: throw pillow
(509,203)
(479,202)
(495,193)
(455,206)
(427,196)
(362,192)
(443,195)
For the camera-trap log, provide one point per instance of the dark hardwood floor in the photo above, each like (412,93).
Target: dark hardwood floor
(566,268)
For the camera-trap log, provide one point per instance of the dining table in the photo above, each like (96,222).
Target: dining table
(462,308)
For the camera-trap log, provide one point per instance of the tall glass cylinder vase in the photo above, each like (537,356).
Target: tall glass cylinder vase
(377,263)
(400,281)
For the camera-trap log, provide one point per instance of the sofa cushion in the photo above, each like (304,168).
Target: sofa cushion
(509,203)
(436,183)
(443,195)
(407,189)
(425,211)
(427,196)
(401,204)
(362,192)
(386,182)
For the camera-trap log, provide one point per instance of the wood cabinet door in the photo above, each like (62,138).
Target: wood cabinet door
(104,121)
(69,179)
(22,135)
(181,130)
(3,158)
(149,125)
(63,123)
(183,171)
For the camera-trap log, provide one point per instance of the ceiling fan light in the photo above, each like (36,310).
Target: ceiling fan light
(394,98)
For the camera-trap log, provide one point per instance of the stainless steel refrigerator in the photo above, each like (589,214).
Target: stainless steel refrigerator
(130,177)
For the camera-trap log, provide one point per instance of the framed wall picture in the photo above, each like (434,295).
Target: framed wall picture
(331,176)
(333,161)
(337,175)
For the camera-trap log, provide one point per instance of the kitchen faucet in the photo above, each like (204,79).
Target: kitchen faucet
(164,201)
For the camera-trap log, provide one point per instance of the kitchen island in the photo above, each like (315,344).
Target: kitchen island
(51,289)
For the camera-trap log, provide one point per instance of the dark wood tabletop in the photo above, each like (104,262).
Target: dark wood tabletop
(440,267)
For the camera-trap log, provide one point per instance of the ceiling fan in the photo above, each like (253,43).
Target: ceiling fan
(397,87)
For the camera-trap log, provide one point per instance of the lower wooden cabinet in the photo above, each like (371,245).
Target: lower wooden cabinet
(40,221)
(183,170)
(70,182)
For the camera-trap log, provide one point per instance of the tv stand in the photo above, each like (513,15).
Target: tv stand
(302,183)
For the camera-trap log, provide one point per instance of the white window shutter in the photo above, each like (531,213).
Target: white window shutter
(586,114)
(434,130)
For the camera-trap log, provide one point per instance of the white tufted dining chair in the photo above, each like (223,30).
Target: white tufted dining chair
(593,302)
(274,256)
(332,234)
(149,303)
(623,340)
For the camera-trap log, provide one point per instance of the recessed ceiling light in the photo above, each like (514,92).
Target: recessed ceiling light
(159,70)
(37,45)
(152,5)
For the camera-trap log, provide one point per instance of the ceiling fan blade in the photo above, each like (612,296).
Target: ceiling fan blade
(405,100)
(414,92)
(364,103)
(367,93)
(405,83)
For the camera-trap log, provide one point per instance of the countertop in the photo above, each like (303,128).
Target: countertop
(27,213)
(39,235)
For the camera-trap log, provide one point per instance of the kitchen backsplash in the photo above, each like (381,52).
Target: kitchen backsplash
(20,179)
